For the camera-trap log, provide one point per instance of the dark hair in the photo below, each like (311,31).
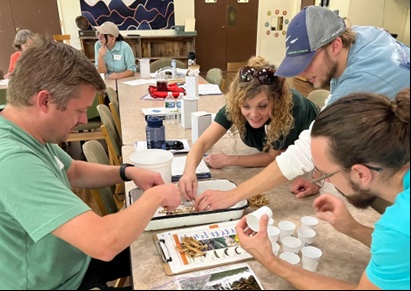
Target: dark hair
(367,128)
(53,66)
(21,38)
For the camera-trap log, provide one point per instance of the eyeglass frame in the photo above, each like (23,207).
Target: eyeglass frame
(260,74)
(320,181)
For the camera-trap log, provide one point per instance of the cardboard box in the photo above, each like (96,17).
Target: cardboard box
(188,106)
(200,120)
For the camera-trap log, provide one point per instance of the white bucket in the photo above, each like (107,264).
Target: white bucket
(144,68)
(155,160)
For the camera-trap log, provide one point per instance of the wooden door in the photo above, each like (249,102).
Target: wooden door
(226,32)
(40,16)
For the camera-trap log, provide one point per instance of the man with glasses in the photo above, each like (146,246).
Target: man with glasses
(265,113)
(113,56)
(321,48)
(368,157)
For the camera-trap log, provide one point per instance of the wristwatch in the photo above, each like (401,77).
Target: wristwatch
(123,171)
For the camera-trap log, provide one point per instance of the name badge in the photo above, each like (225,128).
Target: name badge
(117,57)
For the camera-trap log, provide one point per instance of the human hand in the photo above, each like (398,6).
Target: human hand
(256,244)
(213,200)
(114,76)
(144,178)
(188,185)
(335,212)
(171,197)
(303,188)
(217,160)
(102,51)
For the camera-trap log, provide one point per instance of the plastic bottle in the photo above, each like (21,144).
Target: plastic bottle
(155,133)
(173,69)
(170,107)
(178,107)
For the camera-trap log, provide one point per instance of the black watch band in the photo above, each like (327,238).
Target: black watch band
(123,171)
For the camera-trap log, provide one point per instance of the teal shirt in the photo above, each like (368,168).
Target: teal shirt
(304,112)
(389,266)
(35,199)
(118,59)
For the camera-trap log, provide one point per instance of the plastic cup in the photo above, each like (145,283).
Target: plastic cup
(310,258)
(286,228)
(156,160)
(292,258)
(309,221)
(275,247)
(291,244)
(273,232)
(306,236)
(253,218)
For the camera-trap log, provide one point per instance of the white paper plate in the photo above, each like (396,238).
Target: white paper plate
(162,220)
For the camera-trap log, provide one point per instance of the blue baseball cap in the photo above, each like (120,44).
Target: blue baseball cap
(312,28)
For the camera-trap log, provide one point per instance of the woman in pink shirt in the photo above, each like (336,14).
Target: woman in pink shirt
(22,40)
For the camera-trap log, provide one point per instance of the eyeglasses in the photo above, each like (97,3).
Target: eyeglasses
(318,178)
(265,75)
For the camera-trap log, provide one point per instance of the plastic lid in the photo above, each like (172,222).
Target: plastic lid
(154,121)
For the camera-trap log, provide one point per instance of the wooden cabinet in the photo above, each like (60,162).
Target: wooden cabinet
(153,47)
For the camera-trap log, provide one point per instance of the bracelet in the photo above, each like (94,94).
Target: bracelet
(123,171)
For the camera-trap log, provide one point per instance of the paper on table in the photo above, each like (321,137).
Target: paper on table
(209,89)
(140,82)
(178,164)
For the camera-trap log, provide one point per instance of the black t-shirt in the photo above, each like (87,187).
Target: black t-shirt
(304,112)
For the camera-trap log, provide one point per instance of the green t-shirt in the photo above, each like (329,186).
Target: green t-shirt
(303,112)
(35,199)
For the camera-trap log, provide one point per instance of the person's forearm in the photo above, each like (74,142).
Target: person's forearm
(361,233)
(267,179)
(253,160)
(125,74)
(101,67)
(194,157)
(90,175)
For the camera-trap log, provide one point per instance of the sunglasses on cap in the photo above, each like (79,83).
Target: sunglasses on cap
(265,75)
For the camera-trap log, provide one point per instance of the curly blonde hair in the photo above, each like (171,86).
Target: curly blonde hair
(240,92)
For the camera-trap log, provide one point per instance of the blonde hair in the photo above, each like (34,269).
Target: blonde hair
(281,118)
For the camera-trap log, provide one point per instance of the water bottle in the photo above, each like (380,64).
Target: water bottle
(173,69)
(155,133)
(170,107)
(178,107)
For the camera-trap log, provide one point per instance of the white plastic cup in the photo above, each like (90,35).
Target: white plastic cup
(309,221)
(291,244)
(253,218)
(275,247)
(310,258)
(102,75)
(156,160)
(286,228)
(273,233)
(292,258)
(144,68)
(306,235)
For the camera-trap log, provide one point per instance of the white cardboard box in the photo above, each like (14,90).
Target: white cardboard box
(188,106)
(200,120)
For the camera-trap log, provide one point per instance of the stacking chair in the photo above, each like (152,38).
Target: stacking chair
(318,97)
(114,107)
(162,63)
(91,130)
(215,76)
(106,198)
(110,133)
(65,38)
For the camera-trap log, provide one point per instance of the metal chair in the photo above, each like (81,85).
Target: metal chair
(64,38)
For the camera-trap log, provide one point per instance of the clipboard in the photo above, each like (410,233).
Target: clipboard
(222,248)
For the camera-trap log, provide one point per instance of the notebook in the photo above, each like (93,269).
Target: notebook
(178,164)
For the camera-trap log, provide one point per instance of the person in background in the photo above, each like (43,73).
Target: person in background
(359,59)
(22,41)
(113,56)
(361,144)
(265,113)
(49,238)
